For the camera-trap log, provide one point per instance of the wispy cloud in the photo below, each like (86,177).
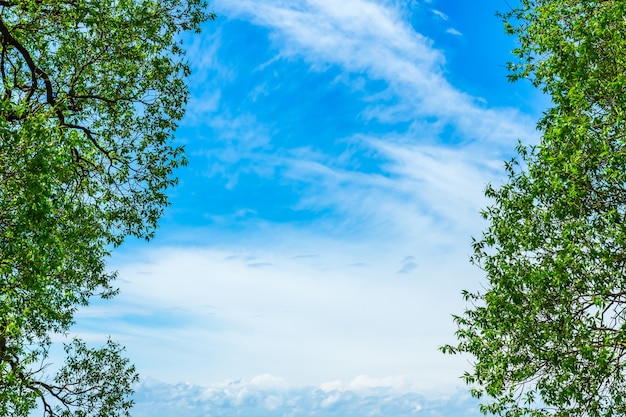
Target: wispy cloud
(408,264)
(440,14)
(440,145)
(362,35)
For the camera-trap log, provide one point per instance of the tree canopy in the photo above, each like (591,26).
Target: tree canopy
(91,92)
(548,332)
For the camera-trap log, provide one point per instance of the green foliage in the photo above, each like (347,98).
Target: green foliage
(90,94)
(548,333)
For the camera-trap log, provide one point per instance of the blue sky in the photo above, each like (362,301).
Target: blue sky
(338,151)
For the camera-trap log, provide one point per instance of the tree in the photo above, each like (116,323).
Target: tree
(91,92)
(548,332)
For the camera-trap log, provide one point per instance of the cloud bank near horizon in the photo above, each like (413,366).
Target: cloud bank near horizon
(267,396)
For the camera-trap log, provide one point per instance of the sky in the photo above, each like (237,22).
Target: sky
(318,241)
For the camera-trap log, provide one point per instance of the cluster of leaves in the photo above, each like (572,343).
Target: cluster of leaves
(548,333)
(90,94)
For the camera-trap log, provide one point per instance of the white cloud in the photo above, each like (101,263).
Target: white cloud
(338,312)
(426,177)
(440,14)
(425,192)
(453,31)
(267,382)
(243,397)
(361,35)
